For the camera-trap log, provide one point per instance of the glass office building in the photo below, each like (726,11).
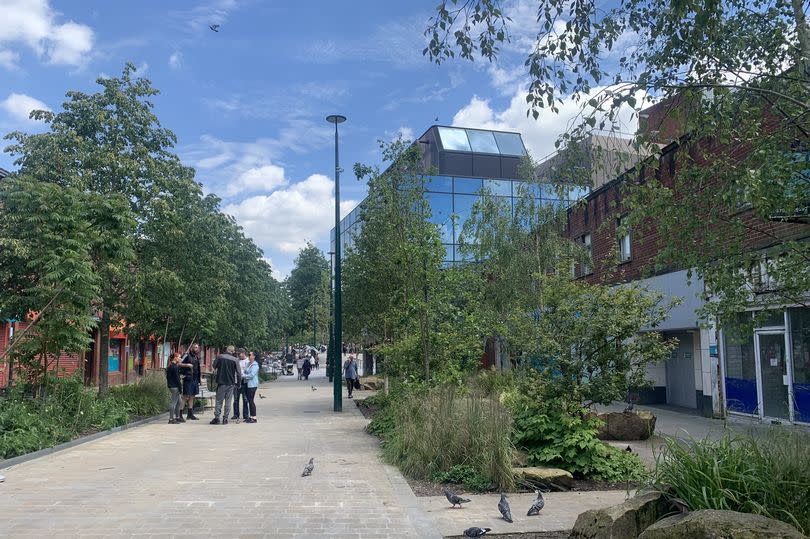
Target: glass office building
(465,161)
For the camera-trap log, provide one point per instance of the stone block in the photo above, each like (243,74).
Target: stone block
(627,426)
(714,524)
(538,476)
(623,521)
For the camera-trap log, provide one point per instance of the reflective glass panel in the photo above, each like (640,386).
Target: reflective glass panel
(523,188)
(466,185)
(441,206)
(499,187)
(510,144)
(741,374)
(462,207)
(454,139)
(577,192)
(441,184)
(448,247)
(800,344)
(482,141)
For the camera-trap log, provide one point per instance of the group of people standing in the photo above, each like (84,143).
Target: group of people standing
(237,379)
(305,363)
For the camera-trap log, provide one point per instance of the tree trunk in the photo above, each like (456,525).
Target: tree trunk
(104,354)
(803,33)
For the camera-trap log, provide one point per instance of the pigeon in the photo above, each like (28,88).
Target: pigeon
(455,499)
(475,531)
(262,396)
(537,504)
(628,449)
(503,507)
(314,388)
(308,468)
(214,27)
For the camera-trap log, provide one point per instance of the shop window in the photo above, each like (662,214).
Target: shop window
(740,365)
(114,358)
(800,347)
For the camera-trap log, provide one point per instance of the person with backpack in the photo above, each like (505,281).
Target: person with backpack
(350,373)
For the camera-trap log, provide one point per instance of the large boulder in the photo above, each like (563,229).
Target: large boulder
(372,383)
(623,521)
(713,524)
(627,426)
(538,476)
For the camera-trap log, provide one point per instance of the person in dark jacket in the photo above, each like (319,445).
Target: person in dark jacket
(191,379)
(306,368)
(228,372)
(173,383)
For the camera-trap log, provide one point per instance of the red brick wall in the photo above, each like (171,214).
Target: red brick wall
(598,217)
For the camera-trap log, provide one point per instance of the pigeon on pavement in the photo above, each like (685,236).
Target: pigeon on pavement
(309,467)
(475,531)
(314,388)
(537,505)
(262,396)
(503,507)
(214,27)
(453,498)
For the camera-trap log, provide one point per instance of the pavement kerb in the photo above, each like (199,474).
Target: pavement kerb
(8,463)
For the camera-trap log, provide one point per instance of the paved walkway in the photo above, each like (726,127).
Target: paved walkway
(235,480)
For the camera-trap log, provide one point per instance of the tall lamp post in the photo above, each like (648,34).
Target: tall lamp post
(337,359)
(330,352)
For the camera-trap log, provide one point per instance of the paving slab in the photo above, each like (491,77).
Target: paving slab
(235,480)
(560,512)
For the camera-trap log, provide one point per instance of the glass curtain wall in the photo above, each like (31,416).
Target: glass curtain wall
(450,196)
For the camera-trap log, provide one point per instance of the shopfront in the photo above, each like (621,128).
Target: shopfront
(766,365)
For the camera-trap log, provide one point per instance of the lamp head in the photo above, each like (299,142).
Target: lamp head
(335,119)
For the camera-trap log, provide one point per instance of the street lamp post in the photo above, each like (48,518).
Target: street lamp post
(330,352)
(337,382)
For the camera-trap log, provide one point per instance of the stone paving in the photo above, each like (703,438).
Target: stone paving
(560,512)
(235,480)
(244,480)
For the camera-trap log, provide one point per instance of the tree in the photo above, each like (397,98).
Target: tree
(309,292)
(110,146)
(707,66)
(46,270)
(393,276)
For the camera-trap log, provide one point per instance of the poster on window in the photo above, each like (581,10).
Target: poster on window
(114,359)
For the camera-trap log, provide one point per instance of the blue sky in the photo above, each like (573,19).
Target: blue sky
(248,103)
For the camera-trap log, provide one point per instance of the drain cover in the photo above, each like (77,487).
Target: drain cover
(312,411)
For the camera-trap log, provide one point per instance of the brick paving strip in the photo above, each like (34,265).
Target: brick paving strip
(243,480)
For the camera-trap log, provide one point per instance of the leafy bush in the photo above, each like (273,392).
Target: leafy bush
(768,476)
(68,410)
(266,376)
(559,432)
(438,429)
(468,476)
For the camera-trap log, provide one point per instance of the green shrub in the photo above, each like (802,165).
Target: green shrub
(68,410)
(266,376)
(768,476)
(558,432)
(468,476)
(438,429)
(148,396)
(384,418)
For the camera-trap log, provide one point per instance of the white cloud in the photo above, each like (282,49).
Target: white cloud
(33,23)
(264,178)
(8,59)
(19,106)
(142,69)
(287,218)
(176,60)
(539,135)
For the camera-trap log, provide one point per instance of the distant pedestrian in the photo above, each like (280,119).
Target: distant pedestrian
(250,381)
(299,365)
(191,379)
(317,361)
(306,368)
(173,383)
(228,372)
(350,373)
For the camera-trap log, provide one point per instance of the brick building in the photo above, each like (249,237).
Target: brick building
(766,376)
